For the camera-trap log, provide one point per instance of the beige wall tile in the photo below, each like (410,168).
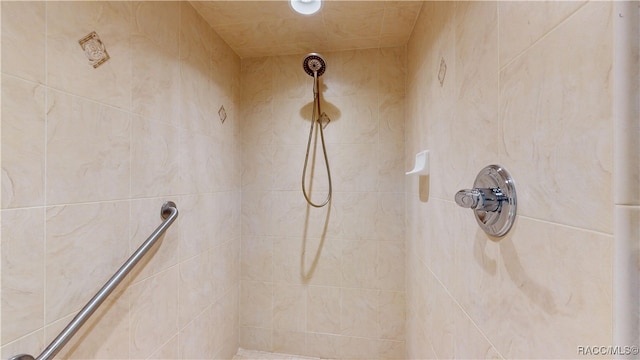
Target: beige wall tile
(168,351)
(83,249)
(322,261)
(355,120)
(522,24)
(289,342)
(23,143)
(155,47)
(289,307)
(88,147)
(289,82)
(154,158)
(202,163)
(154,313)
(29,344)
(359,313)
(104,336)
(257,211)
(257,79)
(254,297)
(257,258)
(390,269)
(433,31)
(462,265)
(470,342)
(323,312)
(316,246)
(256,338)
(392,71)
(287,257)
(225,327)
(392,315)
(324,345)
(145,218)
(572,296)
(195,340)
(287,174)
(359,269)
(476,44)
(94,133)
(196,85)
(22,272)
(224,268)
(353,73)
(23,40)
(388,349)
(391,117)
(555,110)
(354,347)
(291,118)
(400,20)
(195,288)
(68,68)
(257,122)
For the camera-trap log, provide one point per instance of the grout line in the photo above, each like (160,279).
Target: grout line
(542,37)
(547,221)
(46,169)
(453,298)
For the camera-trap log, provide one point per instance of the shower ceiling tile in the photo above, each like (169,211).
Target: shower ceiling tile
(269,28)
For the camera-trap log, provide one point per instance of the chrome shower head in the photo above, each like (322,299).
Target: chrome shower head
(313,62)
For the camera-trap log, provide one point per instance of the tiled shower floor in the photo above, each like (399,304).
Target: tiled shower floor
(261,355)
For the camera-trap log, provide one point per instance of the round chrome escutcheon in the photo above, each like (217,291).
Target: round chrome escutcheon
(497,223)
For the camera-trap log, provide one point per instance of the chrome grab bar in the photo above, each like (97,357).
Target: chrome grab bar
(169,213)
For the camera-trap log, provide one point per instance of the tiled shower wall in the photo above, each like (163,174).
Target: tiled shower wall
(324,282)
(89,156)
(527,86)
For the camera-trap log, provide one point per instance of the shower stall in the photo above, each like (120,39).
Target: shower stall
(182,108)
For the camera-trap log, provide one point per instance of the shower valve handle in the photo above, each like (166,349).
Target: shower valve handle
(483,199)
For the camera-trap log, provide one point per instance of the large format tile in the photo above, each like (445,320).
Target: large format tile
(23,143)
(85,245)
(155,47)
(155,162)
(547,288)
(523,23)
(88,150)
(555,110)
(24,39)
(23,281)
(68,68)
(153,313)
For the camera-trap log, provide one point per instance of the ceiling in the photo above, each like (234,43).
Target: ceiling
(268,28)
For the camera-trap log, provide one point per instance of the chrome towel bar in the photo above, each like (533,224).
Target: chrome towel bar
(169,213)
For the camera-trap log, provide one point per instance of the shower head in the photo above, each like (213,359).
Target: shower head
(313,62)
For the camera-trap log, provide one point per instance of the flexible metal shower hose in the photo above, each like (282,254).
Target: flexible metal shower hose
(316,121)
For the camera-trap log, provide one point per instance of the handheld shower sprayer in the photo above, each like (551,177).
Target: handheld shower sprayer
(314,65)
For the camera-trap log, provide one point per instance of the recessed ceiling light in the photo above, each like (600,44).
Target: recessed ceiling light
(306,7)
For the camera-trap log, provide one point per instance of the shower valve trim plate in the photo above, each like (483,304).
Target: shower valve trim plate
(492,199)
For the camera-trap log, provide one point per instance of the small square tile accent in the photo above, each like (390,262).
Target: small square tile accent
(94,49)
(442,72)
(223,114)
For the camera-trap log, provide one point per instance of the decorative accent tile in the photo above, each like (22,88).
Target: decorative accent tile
(94,49)
(223,114)
(442,72)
